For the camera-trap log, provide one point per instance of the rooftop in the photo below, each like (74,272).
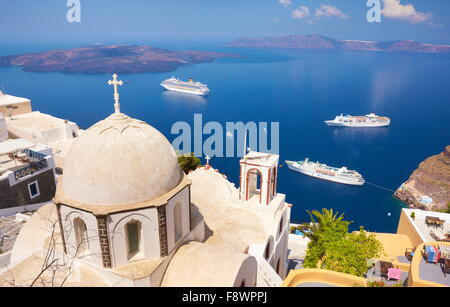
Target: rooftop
(7,147)
(429,233)
(261,158)
(17,160)
(428,270)
(14,145)
(35,122)
(10,227)
(8,99)
(434,272)
(9,164)
(229,225)
(394,245)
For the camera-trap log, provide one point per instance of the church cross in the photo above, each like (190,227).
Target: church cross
(115,83)
(207,158)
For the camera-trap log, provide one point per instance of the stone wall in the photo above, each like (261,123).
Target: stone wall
(162,230)
(104,242)
(18,195)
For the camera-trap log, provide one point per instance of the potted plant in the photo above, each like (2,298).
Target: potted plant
(413,215)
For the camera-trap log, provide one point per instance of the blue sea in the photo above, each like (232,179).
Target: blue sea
(297,88)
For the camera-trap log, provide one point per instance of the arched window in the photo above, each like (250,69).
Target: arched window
(274,181)
(133,235)
(178,221)
(278,270)
(81,236)
(254,184)
(267,251)
(280,228)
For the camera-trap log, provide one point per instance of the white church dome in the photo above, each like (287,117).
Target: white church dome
(120,161)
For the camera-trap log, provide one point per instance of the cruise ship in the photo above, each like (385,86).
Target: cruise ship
(325,172)
(371,120)
(189,87)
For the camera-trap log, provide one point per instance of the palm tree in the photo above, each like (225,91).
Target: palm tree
(327,219)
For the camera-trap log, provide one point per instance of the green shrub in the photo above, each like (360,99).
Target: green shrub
(350,254)
(376,284)
(337,250)
(188,162)
(382,284)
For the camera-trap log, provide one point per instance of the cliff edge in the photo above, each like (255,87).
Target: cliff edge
(428,188)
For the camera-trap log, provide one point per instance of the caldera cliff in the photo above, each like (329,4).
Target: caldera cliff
(110,59)
(431,181)
(320,42)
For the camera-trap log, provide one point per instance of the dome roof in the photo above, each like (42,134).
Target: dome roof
(120,161)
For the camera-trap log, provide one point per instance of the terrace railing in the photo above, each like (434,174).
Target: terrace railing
(30,169)
(33,154)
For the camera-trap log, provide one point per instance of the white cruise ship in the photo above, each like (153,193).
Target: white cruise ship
(371,120)
(189,87)
(325,172)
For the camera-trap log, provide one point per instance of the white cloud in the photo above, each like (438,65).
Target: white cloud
(275,19)
(285,3)
(394,9)
(326,10)
(436,25)
(301,12)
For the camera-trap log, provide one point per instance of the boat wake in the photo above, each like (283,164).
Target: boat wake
(380,187)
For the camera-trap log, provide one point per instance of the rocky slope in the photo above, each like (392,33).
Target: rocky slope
(109,59)
(431,179)
(326,43)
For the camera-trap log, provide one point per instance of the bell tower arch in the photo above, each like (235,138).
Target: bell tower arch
(258,177)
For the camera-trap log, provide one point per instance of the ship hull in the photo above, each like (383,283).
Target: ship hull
(185,90)
(333,123)
(314,174)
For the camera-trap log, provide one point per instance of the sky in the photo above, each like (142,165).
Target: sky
(45,20)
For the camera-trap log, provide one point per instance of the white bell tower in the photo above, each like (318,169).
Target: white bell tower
(258,177)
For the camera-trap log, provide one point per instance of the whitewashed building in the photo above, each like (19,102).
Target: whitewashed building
(27,177)
(12,105)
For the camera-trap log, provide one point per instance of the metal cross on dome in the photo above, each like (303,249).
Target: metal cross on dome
(115,83)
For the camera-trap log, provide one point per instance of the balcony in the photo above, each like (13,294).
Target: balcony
(22,163)
(429,274)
